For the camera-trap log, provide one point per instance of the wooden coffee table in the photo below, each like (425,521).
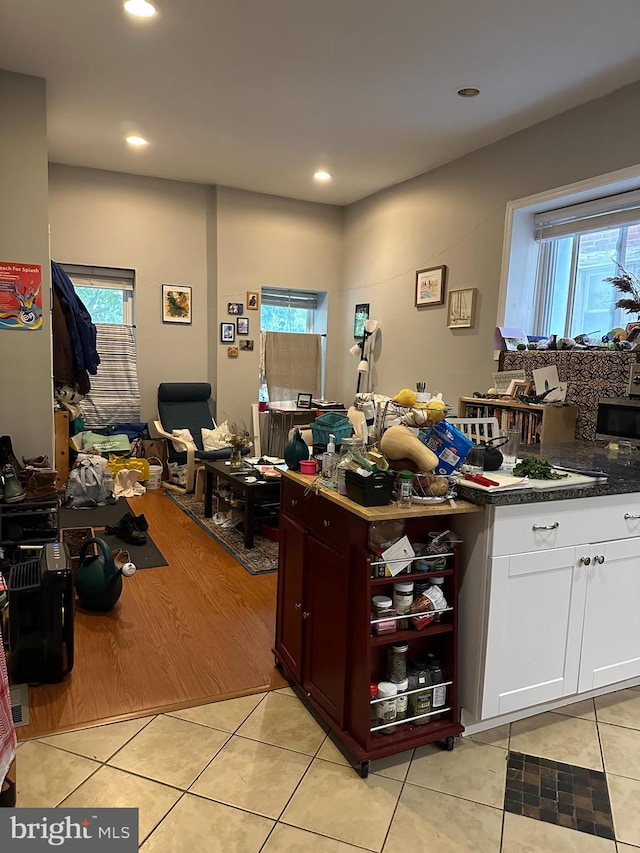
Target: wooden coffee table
(254,494)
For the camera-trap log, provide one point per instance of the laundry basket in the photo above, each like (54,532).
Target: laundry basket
(155,473)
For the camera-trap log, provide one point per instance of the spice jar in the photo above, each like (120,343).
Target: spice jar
(387,710)
(402,700)
(383,606)
(432,599)
(405,488)
(439,697)
(397,662)
(402,601)
(373,694)
(420,703)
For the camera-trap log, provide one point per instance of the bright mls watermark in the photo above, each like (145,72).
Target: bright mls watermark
(82,830)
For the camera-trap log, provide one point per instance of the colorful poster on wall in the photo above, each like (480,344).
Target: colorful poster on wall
(20,296)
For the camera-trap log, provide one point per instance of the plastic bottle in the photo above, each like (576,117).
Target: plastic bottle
(387,711)
(402,700)
(329,455)
(421,702)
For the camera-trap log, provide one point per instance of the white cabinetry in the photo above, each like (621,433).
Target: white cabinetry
(550,603)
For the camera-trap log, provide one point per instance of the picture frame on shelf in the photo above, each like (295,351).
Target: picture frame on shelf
(461,308)
(242,325)
(253,300)
(430,284)
(176,304)
(360,317)
(227,333)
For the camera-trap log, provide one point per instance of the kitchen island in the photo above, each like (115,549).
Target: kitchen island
(550,591)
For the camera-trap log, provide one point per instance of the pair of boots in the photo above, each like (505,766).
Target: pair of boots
(131,528)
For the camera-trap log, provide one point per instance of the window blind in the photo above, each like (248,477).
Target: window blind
(307,299)
(596,215)
(83,276)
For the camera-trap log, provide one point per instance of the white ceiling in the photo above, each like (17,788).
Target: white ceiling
(257,94)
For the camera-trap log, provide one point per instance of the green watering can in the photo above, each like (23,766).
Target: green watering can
(98,582)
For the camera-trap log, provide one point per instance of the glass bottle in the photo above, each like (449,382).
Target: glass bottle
(397,662)
(439,698)
(405,489)
(402,601)
(402,700)
(383,606)
(420,702)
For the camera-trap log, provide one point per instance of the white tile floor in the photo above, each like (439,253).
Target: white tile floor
(260,774)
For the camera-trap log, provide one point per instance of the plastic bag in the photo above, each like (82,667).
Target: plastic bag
(177,474)
(129,463)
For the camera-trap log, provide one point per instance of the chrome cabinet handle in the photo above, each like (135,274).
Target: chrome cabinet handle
(298,605)
(586,561)
(326,522)
(305,614)
(628,515)
(553,526)
(294,502)
(598,559)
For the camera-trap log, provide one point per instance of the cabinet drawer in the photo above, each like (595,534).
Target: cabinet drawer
(318,515)
(558,524)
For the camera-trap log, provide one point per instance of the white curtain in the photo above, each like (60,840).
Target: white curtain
(115,394)
(293,364)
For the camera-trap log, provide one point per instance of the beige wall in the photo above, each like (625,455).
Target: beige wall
(26,388)
(158,228)
(455,216)
(278,242)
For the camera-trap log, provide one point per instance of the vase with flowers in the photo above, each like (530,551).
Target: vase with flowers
(239,438)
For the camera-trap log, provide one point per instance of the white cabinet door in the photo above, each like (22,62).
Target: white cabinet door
(535,623)
(611,635)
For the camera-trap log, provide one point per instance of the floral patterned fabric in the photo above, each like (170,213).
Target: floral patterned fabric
(590,374)
(7,730)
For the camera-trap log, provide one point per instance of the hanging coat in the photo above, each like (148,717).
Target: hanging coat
(81,329)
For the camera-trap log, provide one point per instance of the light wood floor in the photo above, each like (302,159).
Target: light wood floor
(195,631)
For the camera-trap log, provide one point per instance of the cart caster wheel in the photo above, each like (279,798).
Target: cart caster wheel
(449,743)
(364,769)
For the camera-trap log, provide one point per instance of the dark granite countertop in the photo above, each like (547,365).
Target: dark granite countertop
(623,474)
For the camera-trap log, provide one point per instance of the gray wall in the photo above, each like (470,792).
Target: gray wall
(158,228)
(279,242)
(26,389)
(455,215)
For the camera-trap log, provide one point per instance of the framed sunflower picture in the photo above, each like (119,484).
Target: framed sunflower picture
(176,304)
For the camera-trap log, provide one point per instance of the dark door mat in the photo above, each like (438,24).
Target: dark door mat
(564,794)
(146,556)
(95,516)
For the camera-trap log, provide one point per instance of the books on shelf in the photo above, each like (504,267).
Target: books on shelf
(527,421)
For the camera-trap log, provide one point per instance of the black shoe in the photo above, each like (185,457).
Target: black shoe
(126,530)
(13,490)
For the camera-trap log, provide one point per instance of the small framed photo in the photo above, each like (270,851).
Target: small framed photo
(235,308)
(518,387)
(176,304)
(232,352)
(246,345)
(253,300)
(461,308)
(304,401)
(430,286)
(242,325)
(360,318)
(227,333)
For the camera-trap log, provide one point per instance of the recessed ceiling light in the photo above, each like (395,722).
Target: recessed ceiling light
(468,92)
(322,176)
(137,141)
(140,8)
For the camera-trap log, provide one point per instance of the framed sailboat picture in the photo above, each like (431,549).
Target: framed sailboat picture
(461,308)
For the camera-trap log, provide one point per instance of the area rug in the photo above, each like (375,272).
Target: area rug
(95,516)
(259,560)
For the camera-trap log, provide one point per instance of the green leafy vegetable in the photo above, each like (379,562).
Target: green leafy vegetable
(537,469)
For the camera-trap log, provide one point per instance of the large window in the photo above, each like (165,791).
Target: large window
(106,292)
(559,258)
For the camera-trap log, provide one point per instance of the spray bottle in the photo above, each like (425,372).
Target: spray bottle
(329,455)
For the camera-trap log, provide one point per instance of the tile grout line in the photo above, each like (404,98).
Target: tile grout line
(605,774)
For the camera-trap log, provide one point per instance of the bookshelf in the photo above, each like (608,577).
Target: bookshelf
(538,423)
